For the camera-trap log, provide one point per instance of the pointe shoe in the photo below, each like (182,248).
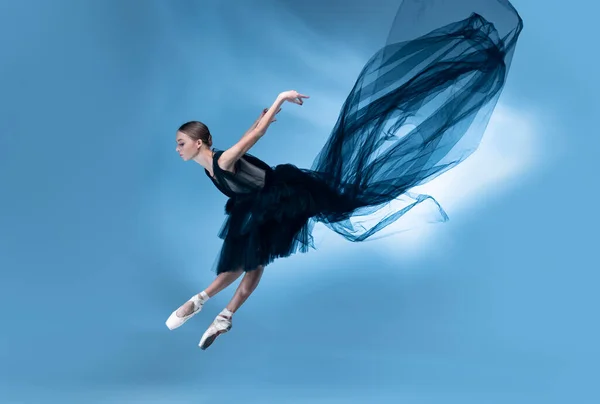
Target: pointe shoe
(220,325)
(174,321)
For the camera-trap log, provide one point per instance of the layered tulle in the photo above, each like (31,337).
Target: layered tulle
(418,108)
(273,222)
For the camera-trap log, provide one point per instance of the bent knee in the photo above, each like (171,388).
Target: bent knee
(245,292)
(251,280)
(255,273)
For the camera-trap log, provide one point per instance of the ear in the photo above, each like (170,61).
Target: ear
(199,143)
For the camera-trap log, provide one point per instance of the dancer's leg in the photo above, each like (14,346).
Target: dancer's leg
(222,323)
(245,288)
(222,281)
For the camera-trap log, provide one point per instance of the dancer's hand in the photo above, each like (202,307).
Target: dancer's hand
(264,111)
(293,96)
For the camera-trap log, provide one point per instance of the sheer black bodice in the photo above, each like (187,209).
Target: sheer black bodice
(249,175)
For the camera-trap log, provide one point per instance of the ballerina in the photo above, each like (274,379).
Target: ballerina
(194,142)
(443,84)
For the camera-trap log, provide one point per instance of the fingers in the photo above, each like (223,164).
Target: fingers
(298,99)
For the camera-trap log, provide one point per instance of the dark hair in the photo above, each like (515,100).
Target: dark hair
(197,131)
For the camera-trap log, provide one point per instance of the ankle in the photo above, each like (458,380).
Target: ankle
(203,296)
(226,313)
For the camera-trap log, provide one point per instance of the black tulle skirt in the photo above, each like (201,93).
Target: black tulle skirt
(419,107)
(274,222)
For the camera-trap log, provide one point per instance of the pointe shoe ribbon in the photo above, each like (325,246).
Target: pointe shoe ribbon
(219,326)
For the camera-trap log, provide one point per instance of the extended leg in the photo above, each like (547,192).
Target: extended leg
(222,323)
(222,281)
(194,304)
(245,289)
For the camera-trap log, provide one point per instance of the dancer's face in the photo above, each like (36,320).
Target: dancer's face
(186,146)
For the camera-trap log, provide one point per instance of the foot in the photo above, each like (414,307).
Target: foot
(221,325)
(185,312)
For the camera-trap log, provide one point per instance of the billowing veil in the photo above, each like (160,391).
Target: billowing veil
(418,108)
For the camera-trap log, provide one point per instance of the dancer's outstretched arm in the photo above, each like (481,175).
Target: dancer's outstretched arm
(231,155)
(263,112)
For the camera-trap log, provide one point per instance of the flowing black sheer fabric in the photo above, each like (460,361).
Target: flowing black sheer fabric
(418,108)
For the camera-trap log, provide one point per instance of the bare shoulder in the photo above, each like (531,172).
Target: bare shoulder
(226,161)
(229,158)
